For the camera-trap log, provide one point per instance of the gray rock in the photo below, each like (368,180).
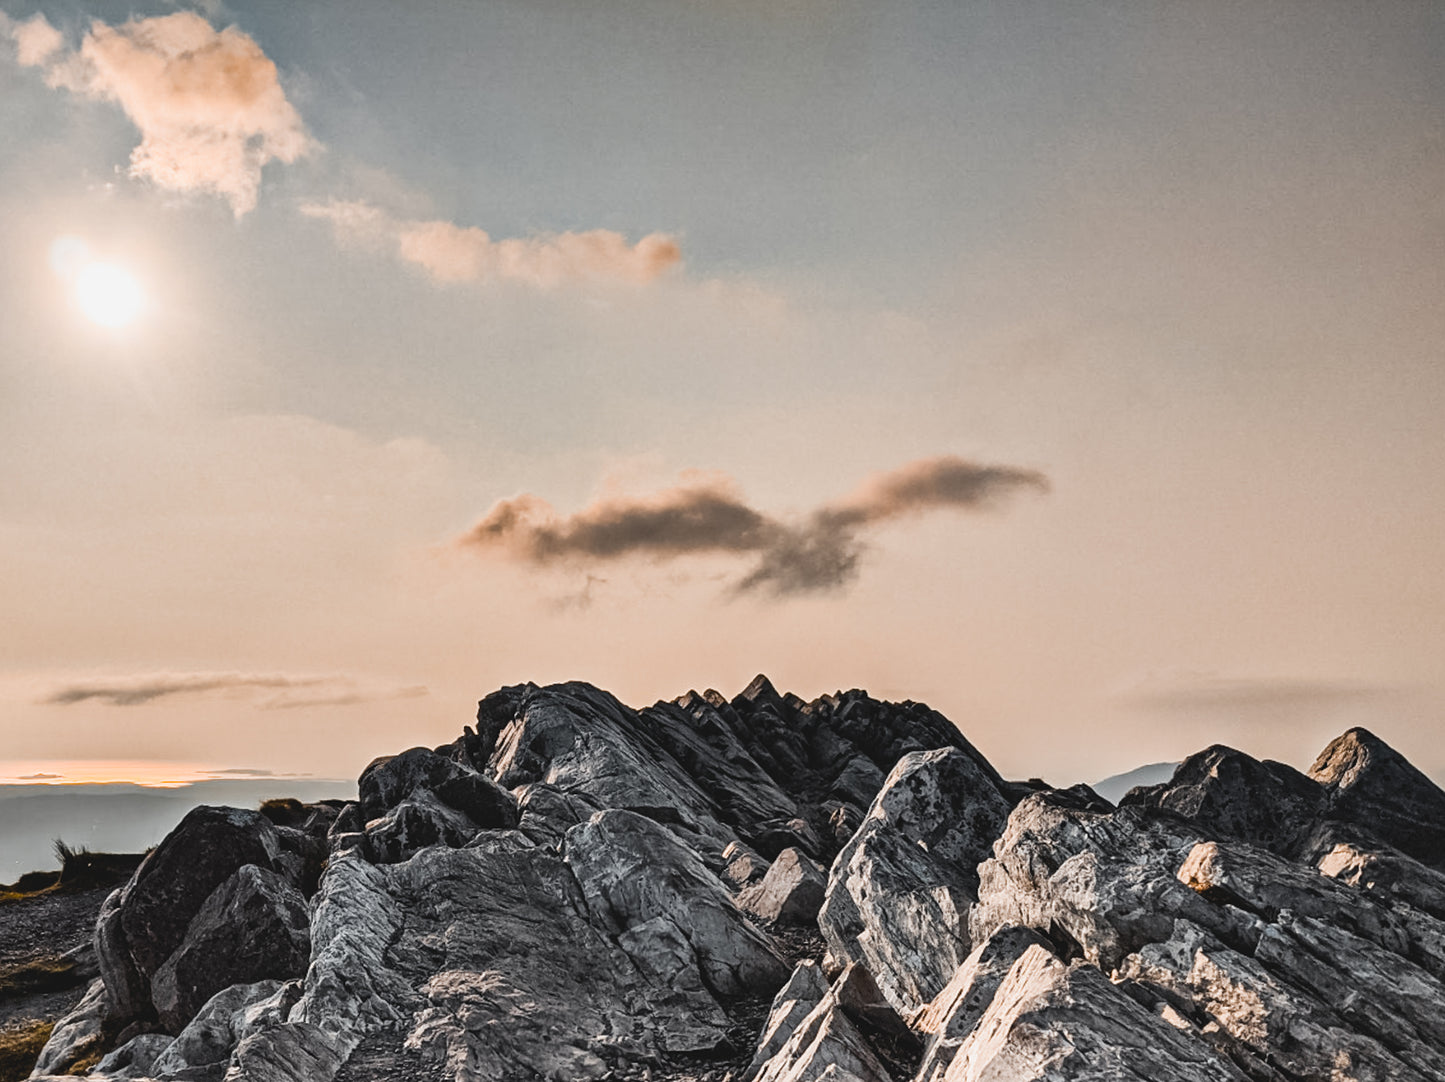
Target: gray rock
(1266,885)
(417,822)
(202,1051)
(352,987)
(134,1059)
(790,893)
(898,894)
(78,1035)
(632,870)
(1241,1004)
(1098,885)
(1228,794)
(580,740)
(954,1013)
(1386,874)
(548,812)
(387,782)
(169,888)
(793,1003)
(742,865)
(127,991)
(254,926)
(824,1045)
(1049,1021)
(519,980)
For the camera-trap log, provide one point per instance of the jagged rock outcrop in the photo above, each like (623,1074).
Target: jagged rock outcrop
(900,891)
(761,889)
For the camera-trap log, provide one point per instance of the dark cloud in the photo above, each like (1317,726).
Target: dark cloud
(818,554)
(241,772)
(287,690)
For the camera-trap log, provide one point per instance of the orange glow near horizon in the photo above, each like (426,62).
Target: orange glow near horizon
(150,773)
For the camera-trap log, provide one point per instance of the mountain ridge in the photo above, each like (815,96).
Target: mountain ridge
(763,889)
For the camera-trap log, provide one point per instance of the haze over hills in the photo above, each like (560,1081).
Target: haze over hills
(124,818)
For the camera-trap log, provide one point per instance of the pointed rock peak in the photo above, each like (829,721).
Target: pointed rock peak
(1357,754)
(761,691)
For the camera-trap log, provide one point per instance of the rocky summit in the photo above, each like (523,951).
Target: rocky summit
(764,889)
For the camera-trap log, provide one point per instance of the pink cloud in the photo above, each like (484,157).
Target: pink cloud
(208,103)
(451,253)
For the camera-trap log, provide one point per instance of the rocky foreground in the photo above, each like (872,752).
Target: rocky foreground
(778,891)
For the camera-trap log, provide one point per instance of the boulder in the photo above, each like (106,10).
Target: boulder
(127,991)
(825,1044)
(387,782)
(1098,885)
(208,847)
(254,926)
(1049,1020)
(419,821)
(954,1013)
(899,893)
(1255,1016)
(794,1001)
(80,1035)
(742,865)
(135,1059)
(631,870)
(519,979)
(203,1048)
(790,893)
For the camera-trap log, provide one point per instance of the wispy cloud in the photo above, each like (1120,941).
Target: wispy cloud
(271,690)
(707,514)
(451,253)
(208,103)
(1197,691)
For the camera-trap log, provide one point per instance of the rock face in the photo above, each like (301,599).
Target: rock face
(766,890)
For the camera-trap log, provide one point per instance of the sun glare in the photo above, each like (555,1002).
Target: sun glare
(106,293)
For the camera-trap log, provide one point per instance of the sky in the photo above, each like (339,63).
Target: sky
(1075,368)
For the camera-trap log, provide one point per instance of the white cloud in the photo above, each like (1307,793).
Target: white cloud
(208,103)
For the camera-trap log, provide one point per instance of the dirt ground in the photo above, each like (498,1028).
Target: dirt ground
(35,985)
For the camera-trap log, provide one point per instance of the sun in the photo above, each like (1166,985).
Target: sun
(106,293)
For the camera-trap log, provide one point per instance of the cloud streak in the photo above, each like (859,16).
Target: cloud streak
(450,253)
(208,103)
(285,691)
(1208,692)
(708,515)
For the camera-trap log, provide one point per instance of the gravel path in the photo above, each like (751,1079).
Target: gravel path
(47,924)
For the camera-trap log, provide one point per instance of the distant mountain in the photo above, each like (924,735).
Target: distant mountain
(1115,786)
(124,818)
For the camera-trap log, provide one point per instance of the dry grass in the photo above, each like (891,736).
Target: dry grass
(19,1046)
(85,1063)
(38,975)
(80,870)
